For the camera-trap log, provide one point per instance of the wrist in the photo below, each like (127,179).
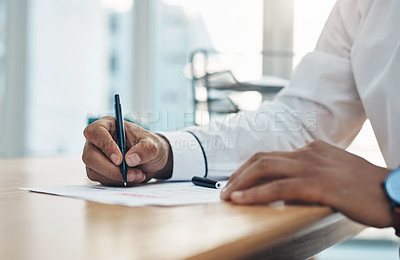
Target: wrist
(391,187)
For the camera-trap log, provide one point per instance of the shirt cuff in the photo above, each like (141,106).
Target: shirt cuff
(187,155)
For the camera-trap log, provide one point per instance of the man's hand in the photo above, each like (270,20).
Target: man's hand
(149,155)
(317,173)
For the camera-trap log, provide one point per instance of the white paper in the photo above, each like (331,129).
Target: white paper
(151,194)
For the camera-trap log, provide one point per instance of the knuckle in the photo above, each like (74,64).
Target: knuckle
(106,118)
(310,153)
(257,156)
(86,156)
(107,146)
(312,144)
(134,130)
(87,132)
(152,149)
(135,127)
(316,143)
(132,137)
(265,161)
(306,152)
(90,174)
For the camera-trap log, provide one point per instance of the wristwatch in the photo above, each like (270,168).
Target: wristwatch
(392,189)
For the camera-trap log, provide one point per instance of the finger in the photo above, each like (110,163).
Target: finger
(99,134)
(143,152)
(282,189)
(253,159)
(266,167)
(94,176)
(99,163)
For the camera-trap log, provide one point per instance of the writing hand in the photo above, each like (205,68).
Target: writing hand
(149,155)
(317,173)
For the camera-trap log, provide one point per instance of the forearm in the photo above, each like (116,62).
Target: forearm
(230,142)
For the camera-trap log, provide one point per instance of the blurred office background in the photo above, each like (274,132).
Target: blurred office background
(61,62)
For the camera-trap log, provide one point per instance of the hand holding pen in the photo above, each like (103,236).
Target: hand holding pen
(147,155)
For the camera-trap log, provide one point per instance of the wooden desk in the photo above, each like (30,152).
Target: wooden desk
(38,226)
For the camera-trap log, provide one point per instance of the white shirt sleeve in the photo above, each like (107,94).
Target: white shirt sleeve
(321,102)
(186,153)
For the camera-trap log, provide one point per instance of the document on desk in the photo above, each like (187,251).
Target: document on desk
(151,194)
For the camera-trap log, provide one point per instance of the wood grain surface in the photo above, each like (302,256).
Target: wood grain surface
(40,226)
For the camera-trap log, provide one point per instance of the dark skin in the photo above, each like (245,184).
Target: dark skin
(317,173)
(148,156)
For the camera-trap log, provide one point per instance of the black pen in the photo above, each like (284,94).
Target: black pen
(204,182)
(120,136)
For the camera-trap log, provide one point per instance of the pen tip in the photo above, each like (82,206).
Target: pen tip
(125,184)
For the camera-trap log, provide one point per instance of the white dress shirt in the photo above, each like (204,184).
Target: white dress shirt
(353,74)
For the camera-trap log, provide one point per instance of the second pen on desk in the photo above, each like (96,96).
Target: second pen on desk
(119,122)
(204,182)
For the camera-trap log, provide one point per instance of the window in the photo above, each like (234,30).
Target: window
(309,19)
(181,26)
(78,58)
(2,51)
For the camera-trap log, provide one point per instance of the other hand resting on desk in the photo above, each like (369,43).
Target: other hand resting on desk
(317,173)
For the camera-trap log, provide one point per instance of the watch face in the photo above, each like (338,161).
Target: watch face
(392,186)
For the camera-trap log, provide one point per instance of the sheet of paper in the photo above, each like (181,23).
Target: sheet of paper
(151,194)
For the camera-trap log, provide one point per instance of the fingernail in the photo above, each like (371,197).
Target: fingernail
(237,195)
(133,159)
(115,159)
(131,177)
